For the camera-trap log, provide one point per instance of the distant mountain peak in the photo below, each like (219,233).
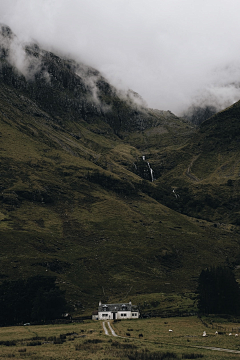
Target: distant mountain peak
(5,31)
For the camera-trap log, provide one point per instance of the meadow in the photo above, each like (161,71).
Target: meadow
(87,340)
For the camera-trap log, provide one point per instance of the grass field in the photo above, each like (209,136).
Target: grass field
(87,340)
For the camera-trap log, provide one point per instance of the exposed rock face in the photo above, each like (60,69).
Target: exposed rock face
(45,77)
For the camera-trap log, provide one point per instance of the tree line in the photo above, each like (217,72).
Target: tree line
(34,299)
(38,299)
(218,291)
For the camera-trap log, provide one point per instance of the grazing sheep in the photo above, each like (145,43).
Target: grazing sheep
(236,334)
(170,330)
(128,334)
(204,333)
(230,334)
(216,333)
(140,335)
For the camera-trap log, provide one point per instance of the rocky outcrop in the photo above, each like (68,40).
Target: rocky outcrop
(69,90)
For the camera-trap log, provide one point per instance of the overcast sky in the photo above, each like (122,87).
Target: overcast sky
(172,52)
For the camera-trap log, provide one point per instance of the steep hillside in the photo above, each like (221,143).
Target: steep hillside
(77,200)
(206,170)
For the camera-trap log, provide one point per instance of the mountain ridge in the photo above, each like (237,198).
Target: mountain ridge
(77,200)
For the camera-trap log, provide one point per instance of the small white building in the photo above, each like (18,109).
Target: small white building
(117,311)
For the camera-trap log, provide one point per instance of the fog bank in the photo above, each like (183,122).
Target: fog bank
(173,53)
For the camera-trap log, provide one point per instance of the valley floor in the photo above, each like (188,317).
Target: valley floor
(130,339)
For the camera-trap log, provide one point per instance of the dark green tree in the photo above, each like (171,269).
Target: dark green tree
(218,291)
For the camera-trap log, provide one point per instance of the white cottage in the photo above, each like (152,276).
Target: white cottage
(117,311)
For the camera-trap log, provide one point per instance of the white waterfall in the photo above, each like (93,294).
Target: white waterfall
(151,171)
(176,195)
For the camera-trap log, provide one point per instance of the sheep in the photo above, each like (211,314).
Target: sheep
(204,333)
(140,335)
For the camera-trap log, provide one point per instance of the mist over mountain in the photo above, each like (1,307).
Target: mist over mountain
(198,114)
(174,54)
(106,195)
(103,187)
(210,102)
(72,168)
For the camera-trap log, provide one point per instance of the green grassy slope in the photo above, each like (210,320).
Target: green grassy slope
(205,171)
(73,205)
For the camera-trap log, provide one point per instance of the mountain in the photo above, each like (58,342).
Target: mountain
(198,114)
(207,177)
(77,197)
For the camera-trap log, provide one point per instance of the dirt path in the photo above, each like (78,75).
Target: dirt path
(105,329)
(218,349)
(188,172)
(110,328)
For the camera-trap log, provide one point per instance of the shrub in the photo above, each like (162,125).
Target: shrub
(8,343)
(93,341)
(146,355)
(34,343)
(192,356)
(123,346)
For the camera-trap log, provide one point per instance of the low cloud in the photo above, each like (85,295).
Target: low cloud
(15,52)
(173,53)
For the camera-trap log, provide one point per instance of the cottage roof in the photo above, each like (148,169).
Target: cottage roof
(117,307)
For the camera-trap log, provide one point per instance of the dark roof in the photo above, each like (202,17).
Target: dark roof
(117,307)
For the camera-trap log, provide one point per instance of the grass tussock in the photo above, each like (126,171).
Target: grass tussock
(120,345)
(93,341)
(34,343)
(8,343)
(146,355)
(160,355)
